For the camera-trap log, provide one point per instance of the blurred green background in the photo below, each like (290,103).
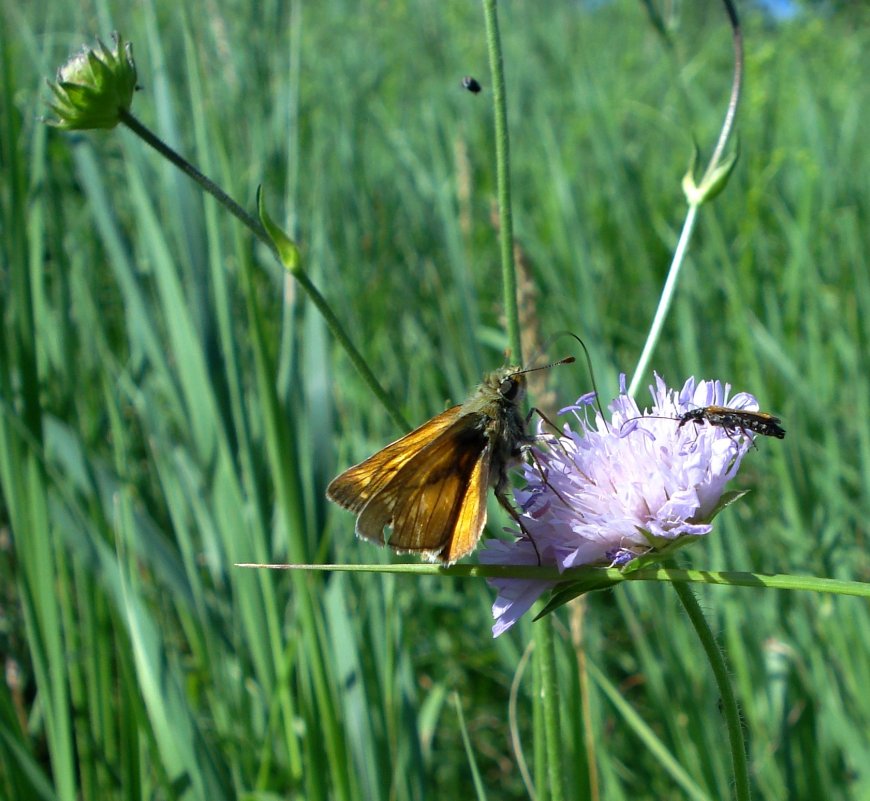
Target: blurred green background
(172,405)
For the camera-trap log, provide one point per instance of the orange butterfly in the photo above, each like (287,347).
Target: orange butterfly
(430,486)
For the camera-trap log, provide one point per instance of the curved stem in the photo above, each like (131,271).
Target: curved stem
(736,83)
(689,224)
(257,228)
(726,693)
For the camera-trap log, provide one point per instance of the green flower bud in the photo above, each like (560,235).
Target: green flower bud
(94,87)
(714,181)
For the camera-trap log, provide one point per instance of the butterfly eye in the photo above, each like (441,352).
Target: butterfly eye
(509,388)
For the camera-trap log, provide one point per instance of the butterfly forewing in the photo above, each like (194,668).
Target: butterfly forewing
(358,484)
(436,502)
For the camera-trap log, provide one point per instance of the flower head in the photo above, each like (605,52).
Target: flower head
(610,493)
(94,86)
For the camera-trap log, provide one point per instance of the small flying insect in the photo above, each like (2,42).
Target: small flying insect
(735,420)
(430,486)
(471,84)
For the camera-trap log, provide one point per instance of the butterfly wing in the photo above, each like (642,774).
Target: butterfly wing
(436,502)
(357,485)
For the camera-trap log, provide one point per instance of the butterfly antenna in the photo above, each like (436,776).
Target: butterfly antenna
(566,360)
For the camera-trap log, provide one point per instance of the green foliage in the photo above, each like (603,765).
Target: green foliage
(171,405)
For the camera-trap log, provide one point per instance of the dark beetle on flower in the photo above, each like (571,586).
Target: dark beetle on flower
(735,420)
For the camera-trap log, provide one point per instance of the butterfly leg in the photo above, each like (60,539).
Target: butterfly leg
(501,496)
(543,474)
(550,439)
(506,505)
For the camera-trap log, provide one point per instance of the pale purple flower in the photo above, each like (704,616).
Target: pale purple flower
(612,491)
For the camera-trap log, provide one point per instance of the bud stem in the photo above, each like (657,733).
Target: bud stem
(206,183)
(257,228)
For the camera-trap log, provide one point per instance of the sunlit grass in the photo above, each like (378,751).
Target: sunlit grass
(171,406)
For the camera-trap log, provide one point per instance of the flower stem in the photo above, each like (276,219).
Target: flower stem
(726,692)
(545,652)
(502,161)
(713,166)
(204,182)
(544,648)
(257,228)
(736,83)
(652,338)
(578,615)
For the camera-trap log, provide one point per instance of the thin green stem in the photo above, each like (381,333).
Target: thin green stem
(544,649)
(696,199)
(665,300)
(578,619)
(257,228)
(204,182)
(516,740)
(726,692)
(736,84)
(544,641)
(605,577)
(695,202)
(353,354)
(539,746)
(502,161)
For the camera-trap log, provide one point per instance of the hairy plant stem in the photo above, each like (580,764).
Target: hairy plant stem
(730,709)
(257,228)
(544,655)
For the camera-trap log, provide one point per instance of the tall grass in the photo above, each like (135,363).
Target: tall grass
(171,405)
